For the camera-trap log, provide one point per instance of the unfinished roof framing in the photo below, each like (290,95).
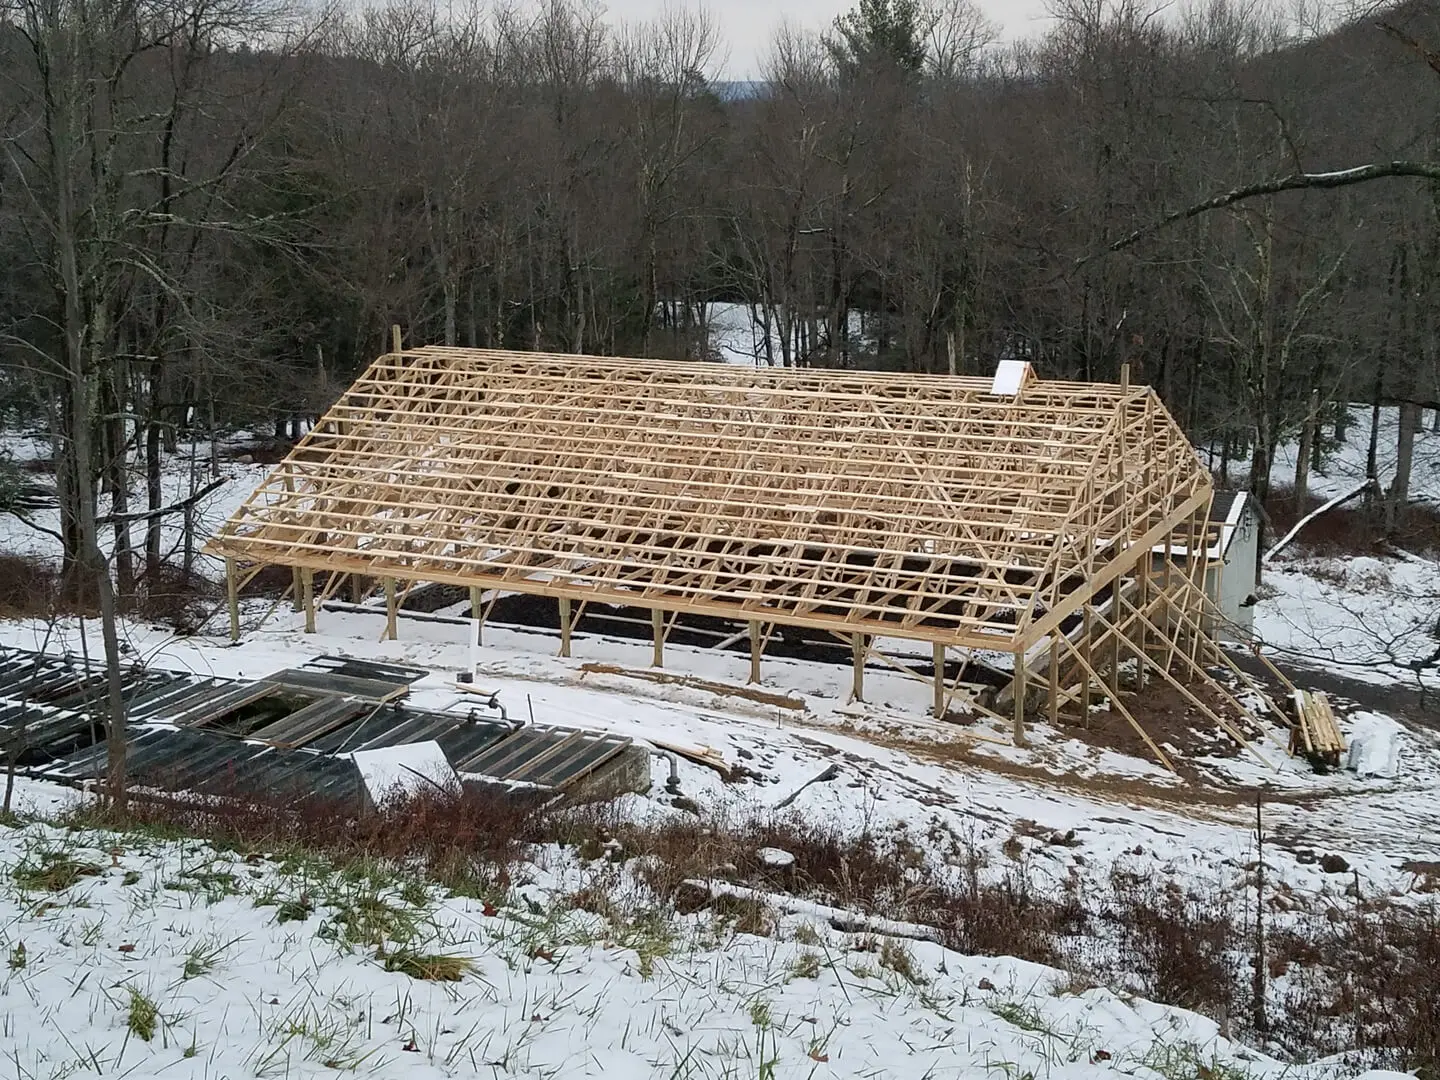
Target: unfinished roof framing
(870,505)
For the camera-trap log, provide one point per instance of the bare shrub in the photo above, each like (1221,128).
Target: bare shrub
(29,588)
(1184,948)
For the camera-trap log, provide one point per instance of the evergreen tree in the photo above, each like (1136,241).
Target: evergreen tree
(879,33)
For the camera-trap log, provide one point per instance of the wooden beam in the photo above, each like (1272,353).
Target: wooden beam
(1055,682)
(307,591)
(937,655)
(395,339)
(565,625)
(391,607)
(657,629)
(232,597)
(296,601)
(1018,731)
(1119,707)
(857,662)
(757,646)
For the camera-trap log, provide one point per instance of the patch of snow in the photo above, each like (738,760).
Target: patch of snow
(1365,616)
(1345,465)
(231,990)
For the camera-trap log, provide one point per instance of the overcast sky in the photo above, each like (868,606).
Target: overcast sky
(747,25)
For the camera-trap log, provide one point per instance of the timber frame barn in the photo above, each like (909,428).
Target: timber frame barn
(1035,520)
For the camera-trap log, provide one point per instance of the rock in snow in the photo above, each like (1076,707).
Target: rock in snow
(776,859)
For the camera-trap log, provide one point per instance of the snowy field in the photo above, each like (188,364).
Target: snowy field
(133,957)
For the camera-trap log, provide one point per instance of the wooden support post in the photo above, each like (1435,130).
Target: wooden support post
(232,595)
(564,626)
(307,593)
(937,652)
(657,628)
(857,659)
(1142,598)
(474,601)
(395,339)
(1055,680)
(1113,675)
(1018,733)
(1086,659)
(390,610)
(756,647)
(295,603)
(358,588)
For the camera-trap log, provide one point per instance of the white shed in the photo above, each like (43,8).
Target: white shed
(1231,571)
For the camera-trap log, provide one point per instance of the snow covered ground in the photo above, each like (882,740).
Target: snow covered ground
(892,769)
(129,956)
(240,478)
(1373,618)
(1344,465)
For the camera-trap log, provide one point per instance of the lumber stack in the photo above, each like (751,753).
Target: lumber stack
(1316,731)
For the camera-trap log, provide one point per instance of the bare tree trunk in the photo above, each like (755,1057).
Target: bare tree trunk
(1302,458)
(1372,454)
(1398,496)
(154,495)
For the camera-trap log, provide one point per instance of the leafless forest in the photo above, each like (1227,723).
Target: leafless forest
(211,211)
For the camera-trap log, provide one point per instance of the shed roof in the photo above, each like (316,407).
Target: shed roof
(908,505)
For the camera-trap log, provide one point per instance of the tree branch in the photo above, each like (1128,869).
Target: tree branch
(1425,170)
(148,515)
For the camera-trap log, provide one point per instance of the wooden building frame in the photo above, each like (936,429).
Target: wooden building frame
(873,506)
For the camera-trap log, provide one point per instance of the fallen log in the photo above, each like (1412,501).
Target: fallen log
(1344,497)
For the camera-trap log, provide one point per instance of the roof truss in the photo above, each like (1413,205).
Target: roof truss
(904,505)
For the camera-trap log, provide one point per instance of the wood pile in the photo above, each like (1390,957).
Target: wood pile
(1316,733)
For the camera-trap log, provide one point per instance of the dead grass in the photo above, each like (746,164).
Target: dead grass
(431,967)
(52,871)
(464,840)
(175,599)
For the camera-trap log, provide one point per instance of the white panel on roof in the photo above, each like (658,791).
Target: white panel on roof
(1010,377)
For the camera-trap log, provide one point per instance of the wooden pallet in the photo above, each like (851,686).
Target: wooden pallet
(1316,731)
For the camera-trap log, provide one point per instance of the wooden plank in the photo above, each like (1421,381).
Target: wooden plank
(764,697)
(326,682)
(232,597)
(857,666)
